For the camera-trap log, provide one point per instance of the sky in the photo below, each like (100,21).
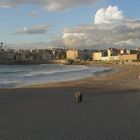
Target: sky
(85,24)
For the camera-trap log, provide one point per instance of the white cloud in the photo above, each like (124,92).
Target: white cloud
(51,5)
(109,15)
(29,45)
(67,4)
(40,29)
(111,29)
(37,45)
(34,13)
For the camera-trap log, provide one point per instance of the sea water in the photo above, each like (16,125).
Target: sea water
(23,75)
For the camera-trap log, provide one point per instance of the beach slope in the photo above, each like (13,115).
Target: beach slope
(110,109)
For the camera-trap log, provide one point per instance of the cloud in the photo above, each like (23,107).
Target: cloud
(67,4)
(37,45)
(31,45)
(110,29)
(40,29)
(51,5)
(109,15)
(34,13)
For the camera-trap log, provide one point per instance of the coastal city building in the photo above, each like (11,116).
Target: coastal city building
(97,56)
(108,55)
(129,57)
(7,56)
(117,55)
(58,55)
(1,46)
(77,54)
(73,54)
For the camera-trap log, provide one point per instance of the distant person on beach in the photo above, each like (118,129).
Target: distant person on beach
(78,97)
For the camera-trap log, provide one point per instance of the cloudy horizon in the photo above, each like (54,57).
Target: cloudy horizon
(91,24)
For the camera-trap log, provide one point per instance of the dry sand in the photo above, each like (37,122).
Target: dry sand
(110,109)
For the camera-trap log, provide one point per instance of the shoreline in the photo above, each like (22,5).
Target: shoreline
(69,83)
(120,77)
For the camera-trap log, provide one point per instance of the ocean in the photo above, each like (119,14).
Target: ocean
(24,75)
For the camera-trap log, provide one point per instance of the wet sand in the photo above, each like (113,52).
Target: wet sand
(121,77)
(110,109)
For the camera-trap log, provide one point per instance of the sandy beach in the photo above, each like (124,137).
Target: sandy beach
(121,77)
(110,109)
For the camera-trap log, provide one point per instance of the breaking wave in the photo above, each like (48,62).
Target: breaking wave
(22,75)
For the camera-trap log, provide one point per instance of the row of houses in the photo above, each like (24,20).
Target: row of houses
(47,55)
(113,54)
(43,55)
(31,55)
